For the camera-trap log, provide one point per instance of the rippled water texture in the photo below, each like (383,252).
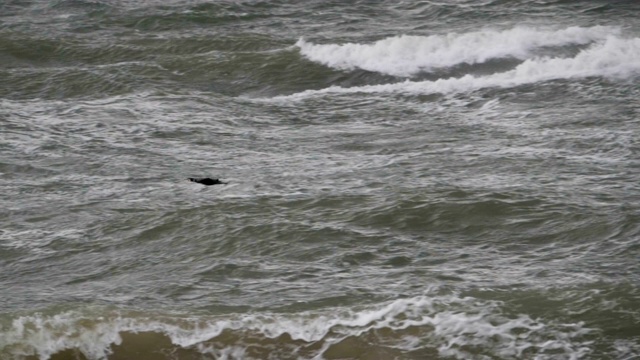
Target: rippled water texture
(406,180)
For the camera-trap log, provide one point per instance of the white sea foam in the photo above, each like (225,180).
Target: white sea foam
(612,57)
(406,55)
(450,324)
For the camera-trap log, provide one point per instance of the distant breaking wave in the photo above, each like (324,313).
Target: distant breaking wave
(407,55)
(612,57)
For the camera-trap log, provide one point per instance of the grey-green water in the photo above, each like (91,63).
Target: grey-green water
(407,180)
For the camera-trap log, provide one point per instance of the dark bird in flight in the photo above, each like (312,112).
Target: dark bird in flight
(207,181)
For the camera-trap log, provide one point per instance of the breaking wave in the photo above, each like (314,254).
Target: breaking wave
(444,325)
(612,57)
(407,55)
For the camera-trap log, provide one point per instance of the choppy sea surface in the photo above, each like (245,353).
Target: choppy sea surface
(407,179)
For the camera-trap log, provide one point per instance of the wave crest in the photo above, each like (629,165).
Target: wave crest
(407,55)
(614,58)
(447,325)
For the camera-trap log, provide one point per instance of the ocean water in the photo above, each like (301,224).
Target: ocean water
(448,179)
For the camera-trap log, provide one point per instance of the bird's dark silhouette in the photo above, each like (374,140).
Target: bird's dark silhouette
(207,181)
